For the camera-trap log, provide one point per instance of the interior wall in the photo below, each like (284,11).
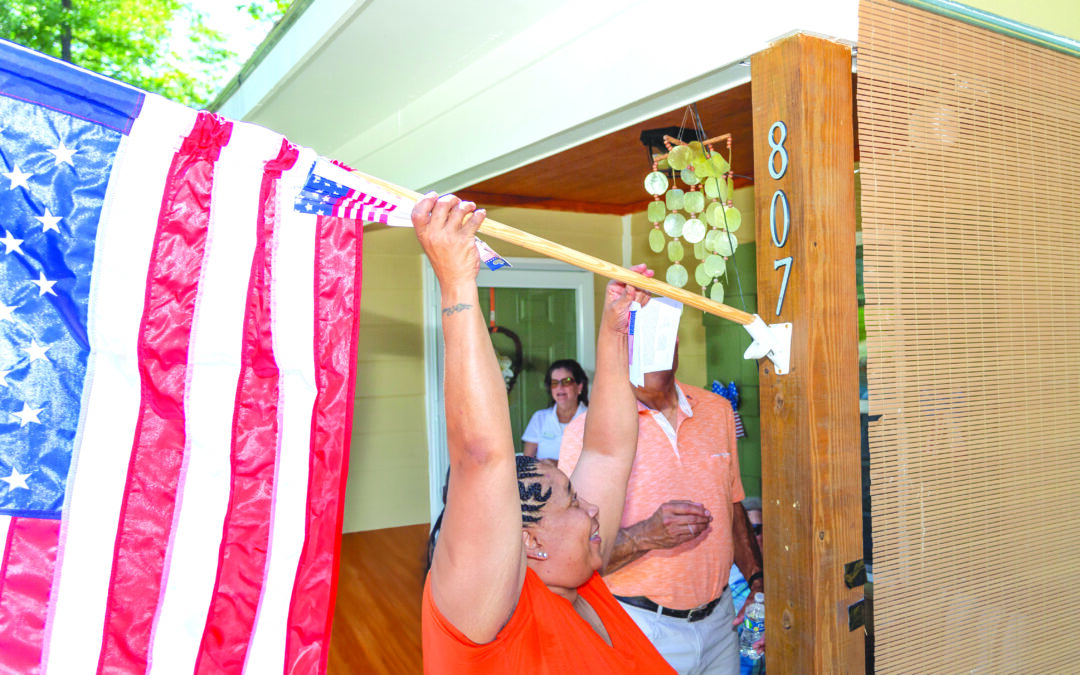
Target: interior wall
(388,478)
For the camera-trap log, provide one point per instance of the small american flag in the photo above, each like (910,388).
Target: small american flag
(325,196)
(177,355)
(731,393)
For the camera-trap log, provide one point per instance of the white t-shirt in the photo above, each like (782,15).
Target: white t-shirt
(545,430)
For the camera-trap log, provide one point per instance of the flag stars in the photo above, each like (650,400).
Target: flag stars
(3,377)
(27,415)
(17,178)
(36,352)
(44,285)
(49,221)
(63,154)
(6,311)
(11,243)
(16,480)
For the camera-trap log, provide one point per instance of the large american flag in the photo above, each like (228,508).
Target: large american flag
(178,315)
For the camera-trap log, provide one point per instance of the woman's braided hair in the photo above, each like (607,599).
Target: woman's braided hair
(531,493)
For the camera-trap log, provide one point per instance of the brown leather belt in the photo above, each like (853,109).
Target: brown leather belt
(691,615)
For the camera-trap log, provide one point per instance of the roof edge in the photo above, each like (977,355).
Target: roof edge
(292,15)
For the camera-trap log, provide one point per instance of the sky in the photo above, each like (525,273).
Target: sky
(243,36)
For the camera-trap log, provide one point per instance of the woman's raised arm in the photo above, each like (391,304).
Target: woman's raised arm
(611,426)
(479,565)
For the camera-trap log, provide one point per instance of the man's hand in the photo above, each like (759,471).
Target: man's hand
(673,524)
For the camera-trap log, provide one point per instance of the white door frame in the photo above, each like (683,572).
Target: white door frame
(523,273)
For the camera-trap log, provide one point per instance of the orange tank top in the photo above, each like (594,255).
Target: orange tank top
(544,635)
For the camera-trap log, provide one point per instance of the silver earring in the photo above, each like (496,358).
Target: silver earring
(542,555)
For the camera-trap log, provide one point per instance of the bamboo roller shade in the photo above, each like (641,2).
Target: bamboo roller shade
(970,161)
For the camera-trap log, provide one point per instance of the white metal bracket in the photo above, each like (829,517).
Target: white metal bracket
(772,341)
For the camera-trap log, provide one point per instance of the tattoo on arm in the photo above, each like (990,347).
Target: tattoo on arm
(624,552)
(460,307)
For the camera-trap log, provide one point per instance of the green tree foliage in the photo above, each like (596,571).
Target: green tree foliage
(130,40)
(266,10)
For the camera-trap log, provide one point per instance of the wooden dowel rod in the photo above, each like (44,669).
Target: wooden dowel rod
(585,261)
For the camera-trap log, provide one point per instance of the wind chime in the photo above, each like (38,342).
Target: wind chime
(683,215)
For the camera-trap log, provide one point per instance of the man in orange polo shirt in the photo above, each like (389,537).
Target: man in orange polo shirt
(683,525)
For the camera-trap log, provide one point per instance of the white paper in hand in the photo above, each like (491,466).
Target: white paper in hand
(637,378)
(653,330)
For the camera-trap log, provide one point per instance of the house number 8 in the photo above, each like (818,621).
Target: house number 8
(777,145)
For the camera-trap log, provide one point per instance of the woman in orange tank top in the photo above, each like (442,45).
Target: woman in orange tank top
(514,584)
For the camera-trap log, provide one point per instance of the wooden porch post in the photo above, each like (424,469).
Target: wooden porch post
(805,200)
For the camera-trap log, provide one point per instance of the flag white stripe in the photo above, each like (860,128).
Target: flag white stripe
(5,523)
(292,325)
(213,371)
(398,218)
(99,465)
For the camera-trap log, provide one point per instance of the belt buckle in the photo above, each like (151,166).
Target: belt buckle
(702,612)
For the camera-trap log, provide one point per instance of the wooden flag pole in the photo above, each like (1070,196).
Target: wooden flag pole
(585,261)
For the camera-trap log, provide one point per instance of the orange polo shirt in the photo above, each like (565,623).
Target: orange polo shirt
(700,464)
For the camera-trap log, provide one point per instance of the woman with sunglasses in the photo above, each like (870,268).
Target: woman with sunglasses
(568,393)
(514,584)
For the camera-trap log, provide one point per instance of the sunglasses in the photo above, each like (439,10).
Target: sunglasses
(565,382)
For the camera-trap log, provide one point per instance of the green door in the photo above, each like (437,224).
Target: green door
(545,320)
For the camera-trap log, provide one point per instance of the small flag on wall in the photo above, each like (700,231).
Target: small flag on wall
(177,357)
(731,393)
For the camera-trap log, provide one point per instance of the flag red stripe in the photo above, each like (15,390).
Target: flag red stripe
(255,440)
(4,557)
(146,515)
(25,582)
(355,200)
(337,306)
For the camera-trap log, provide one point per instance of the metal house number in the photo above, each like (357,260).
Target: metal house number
(779,204)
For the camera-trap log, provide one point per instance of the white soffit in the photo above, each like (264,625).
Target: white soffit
(444,94)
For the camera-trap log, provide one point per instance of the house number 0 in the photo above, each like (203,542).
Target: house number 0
(779,206)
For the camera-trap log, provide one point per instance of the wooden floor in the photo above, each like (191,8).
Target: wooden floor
(377,617)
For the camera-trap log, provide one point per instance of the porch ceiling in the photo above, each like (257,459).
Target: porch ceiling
(605,175)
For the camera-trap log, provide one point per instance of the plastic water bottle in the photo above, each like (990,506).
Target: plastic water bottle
(753,628)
